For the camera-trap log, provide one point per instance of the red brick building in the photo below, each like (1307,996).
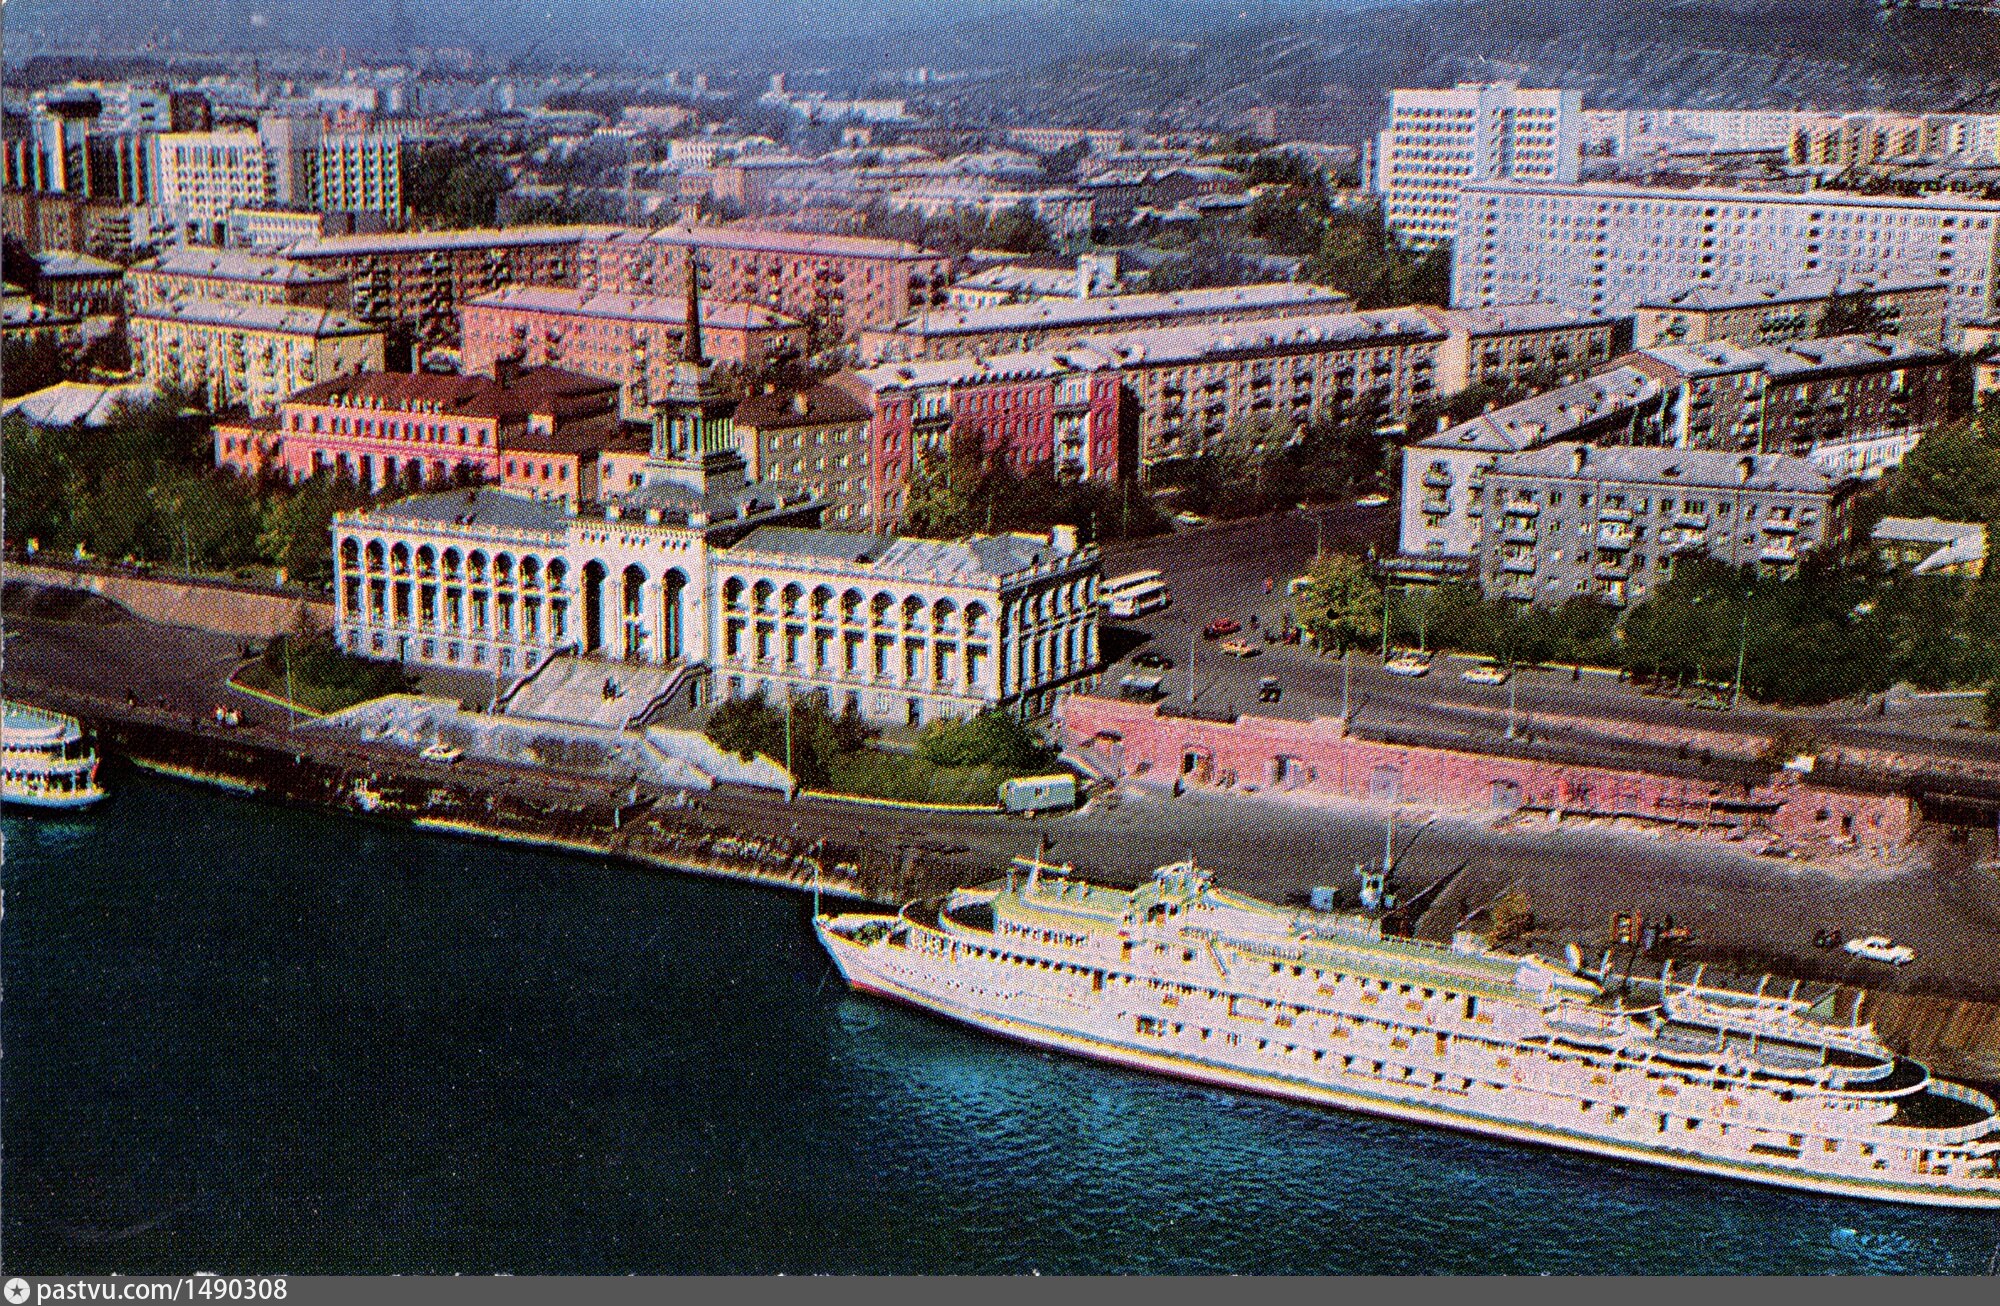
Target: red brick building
(838,283)
(1063,410)
(386,429)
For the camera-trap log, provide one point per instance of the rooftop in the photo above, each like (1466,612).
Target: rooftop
(666,310)
(1039,364)
(780,409)
(1057,314)
(1504,319)
(1805,288)
(1825,198)
(979,559)
(1710,469)
(548,390)
(282,318)
(57,263)
(1957,542)
(1203,339)
(789,242)
(497,509)
(235,265)
(77,403)
(469,238)
(1549,416)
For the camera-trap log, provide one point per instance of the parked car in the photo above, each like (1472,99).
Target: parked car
(1190,519)
(1877,947)
(1219,627)
(1238,648)
(1408,664)
(1490,673)
(1372,501)
(1269,690)
(1156,661)
(442,751)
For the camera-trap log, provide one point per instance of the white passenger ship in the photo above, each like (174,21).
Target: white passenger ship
(1186,979)
(47,762)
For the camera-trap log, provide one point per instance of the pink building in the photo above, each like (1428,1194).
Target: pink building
(1061,410)
(634,340)
(392,428)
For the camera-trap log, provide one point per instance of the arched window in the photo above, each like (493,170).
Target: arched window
(453,563)
(350,554)
(913,613)
(943,613)
(503,569)
(531,572)
(822,599)
(427,561)
(399,559)
(794,594)
(850,606)
(556,573)
(475,567)
(760,596)
(375,555)
(976,617)
(732,592)
(881,608)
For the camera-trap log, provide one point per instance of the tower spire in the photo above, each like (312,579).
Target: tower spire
(691,338)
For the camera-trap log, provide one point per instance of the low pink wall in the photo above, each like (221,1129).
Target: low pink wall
(1136,739)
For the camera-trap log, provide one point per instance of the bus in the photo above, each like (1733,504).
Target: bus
(1134,594)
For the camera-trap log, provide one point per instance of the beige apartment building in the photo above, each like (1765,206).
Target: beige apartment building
(253,355)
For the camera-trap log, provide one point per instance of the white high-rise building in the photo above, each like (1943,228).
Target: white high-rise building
(1437,141)
(1607,247)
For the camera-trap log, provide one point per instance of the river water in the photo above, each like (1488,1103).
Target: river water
(244,1038)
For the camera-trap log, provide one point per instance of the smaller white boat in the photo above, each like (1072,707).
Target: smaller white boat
(440,750)
(48,762)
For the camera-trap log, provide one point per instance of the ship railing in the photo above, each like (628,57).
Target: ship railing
(1774,1016)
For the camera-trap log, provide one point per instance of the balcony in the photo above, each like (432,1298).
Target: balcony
(1613,535)
(1518,532)
(1433,503)
(1438,479)
(1776,527)
(1518,564)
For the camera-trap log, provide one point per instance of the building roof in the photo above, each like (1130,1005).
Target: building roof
(1957,542)
(1806,288)
(1048,282)
(818,405)
(1549,416)
(545,390)
(1030,365)
(1797,356)
(1706,469)
(59,263)
(665,310)
(236,265)
(790,242)
(77,403)
(1826,198)
(1512,319)
(1172,344)
(1105,311)
(1710,358)
(978,560)
(415,241)
(285,319)
(493,508)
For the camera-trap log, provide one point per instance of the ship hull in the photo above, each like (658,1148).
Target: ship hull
(858,968)
(67,802)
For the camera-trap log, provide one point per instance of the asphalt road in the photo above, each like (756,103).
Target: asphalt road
(1219,571)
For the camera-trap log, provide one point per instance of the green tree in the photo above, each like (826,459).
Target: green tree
(749,726)
(1342,603)
(1851,313)
(993,738)
(1018,231)
(446,184)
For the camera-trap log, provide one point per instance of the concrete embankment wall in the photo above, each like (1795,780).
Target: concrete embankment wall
(1115,737)
(1958,1040)
(241,611)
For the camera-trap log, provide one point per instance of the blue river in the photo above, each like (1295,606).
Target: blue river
(243,1038)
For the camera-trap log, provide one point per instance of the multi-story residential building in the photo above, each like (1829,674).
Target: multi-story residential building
(1052,140)
(252,355)
(906,630)
(634,340)
(837,284)
(1854,404)
(28,323)
(1056,410)
(1092,275)
(1047,323)
(193,272)
(201,176)
(816,437)
(1519,344)
(48,220)
(419,279)
(382,429)
(1444,494)
(79,285)
(1608,248)
(1438,141)
(1802,136)
(1906,304)
(359,172)
(1571,520)
(273,229)
(1195,390)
